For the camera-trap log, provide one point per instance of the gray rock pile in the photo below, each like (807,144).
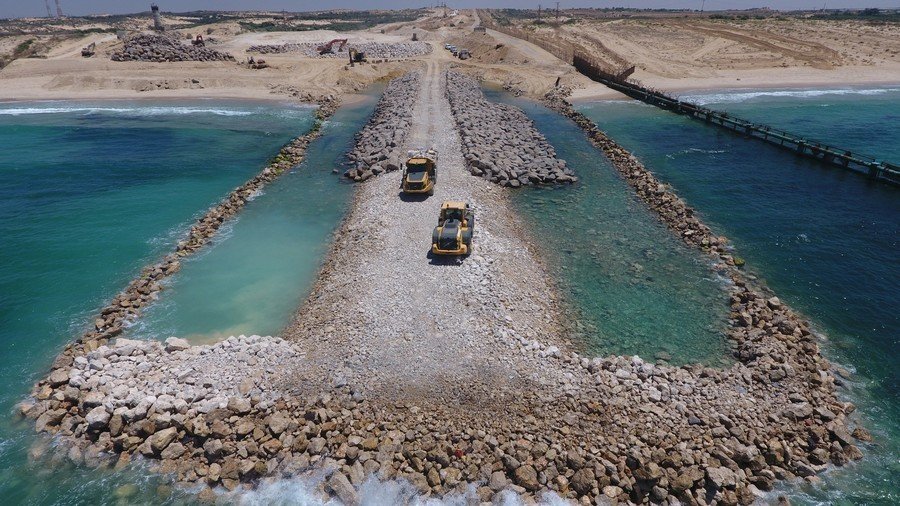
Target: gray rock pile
(380,144)
(388,50)
(161,48)
(499,141)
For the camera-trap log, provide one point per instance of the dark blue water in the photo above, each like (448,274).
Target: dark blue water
(91,193)
(824,239)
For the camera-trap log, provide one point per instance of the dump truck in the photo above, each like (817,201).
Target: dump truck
(419,172)
(453,235)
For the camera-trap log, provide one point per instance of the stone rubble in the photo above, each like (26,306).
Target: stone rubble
(388,50)
(380,145)
(500,142)
(593,430)
(162,48)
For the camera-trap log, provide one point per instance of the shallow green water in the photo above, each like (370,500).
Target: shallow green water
(637,288)
(255,275)
(92,192)
(827,241)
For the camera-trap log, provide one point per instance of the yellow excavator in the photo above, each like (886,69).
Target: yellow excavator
(356,56)
(420,172)
(453,235)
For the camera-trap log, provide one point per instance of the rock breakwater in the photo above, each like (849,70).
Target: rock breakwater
(380,145)
(388,50)
(144,289)
(499,141)
(493,399)
(161,48)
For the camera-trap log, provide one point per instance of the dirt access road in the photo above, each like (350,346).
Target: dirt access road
(404,327)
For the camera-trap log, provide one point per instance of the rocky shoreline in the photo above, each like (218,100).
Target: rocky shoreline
(126,306)
(380,144)
(162,48)
(500,143)
(367,386)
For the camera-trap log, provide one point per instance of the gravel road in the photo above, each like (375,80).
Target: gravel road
(411,328)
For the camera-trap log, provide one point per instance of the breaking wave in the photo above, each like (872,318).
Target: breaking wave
(85,110)
(743,96)
(373,492)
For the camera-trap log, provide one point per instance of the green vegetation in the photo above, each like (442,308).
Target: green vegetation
(340,21)
(23,50)
(20,50)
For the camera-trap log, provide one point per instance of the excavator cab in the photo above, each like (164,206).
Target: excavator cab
(420,172)
(88,51)
(456,225)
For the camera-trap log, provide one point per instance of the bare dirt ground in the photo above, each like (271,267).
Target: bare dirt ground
(670,53)
(679,54)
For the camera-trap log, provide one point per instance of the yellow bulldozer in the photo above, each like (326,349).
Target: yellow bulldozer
(419,172)
(453,235)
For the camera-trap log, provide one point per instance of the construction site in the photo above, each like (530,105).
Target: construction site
(429,351)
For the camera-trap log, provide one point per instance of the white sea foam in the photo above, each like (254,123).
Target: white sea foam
(374,492)
(743,96)
(147,111)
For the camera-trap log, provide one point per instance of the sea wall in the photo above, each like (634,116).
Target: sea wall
(589,429)
(499,141)
(380,145)
(144,289)
(773,343)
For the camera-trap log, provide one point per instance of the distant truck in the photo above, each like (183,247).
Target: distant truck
(420,172)
(464,54)
(456,225)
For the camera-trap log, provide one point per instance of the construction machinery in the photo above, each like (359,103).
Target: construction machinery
(198,41)
(453,235)
(88,51)
(420,172)
(328,47)
(257,63)
(356,56)
(464,54)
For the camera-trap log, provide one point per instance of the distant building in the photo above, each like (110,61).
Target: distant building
(157,19)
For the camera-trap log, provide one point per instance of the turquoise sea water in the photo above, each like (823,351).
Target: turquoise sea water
(254,276)
(636,288)
(824,239)
(92,192)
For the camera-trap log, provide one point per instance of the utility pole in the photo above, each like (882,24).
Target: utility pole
(539,12)
(702,5)
(59,12)
(49,12)
(557,12)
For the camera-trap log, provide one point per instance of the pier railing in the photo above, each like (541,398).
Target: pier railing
(619,80)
